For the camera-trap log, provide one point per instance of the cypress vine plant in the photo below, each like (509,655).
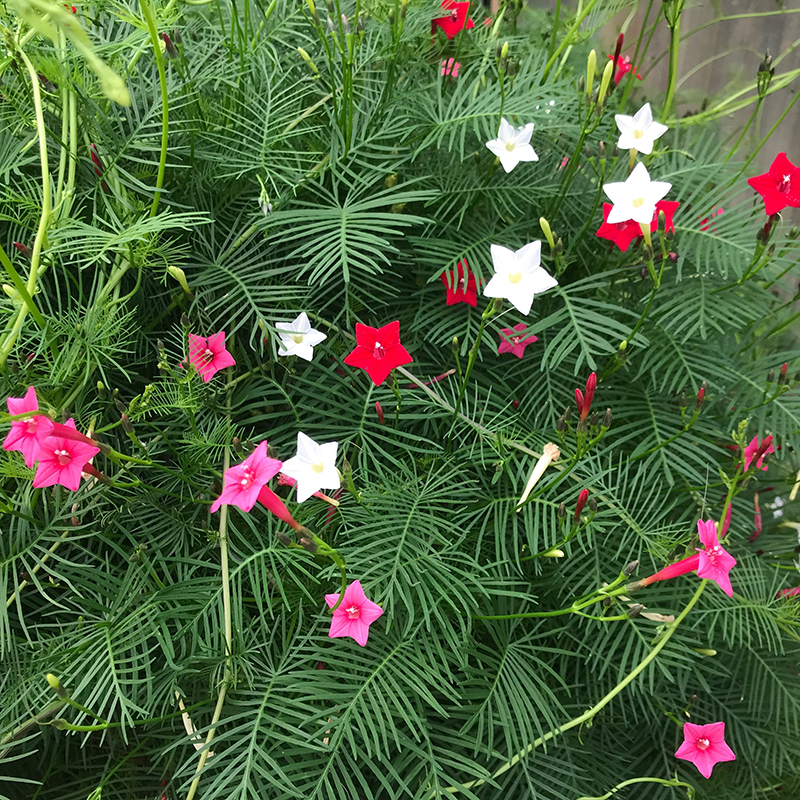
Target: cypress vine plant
(402,403)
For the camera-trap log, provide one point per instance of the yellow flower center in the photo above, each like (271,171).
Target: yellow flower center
(297,338)
(516,277)
(639,201)
(637,134)
(318,467)
(510,146)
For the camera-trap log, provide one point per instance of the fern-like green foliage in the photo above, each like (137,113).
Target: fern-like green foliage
(192,648)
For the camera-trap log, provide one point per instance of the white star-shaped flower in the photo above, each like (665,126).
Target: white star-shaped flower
(513,145)
(314,467)
(635,199)
(299,338)
(639,132)
(518,276)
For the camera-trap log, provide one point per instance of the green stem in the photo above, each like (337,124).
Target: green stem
(41,233)
(585,717)
(674,782)
(568,35)
(674,44)
(556,16)
(162,79)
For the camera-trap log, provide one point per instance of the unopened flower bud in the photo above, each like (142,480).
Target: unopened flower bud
(56,686)
(24,249)
(682,401)
(771,251)
(635,610)
(307,544)
(582,498)
(283,538)
(347,467)
(121,407)
(582,427)
(126,423)
(601,149)
(185,321)
(176,36)
(101,390)
(698,403)
(594,420)
(606,423)
(648,252)
(593,505)
(771,376)
(782,376)
(561,425)
(345,24)
(630,568)
(454,344)
(498,304)
(237,446)
(180,276)
(562,511)
(504,50)
(548,233)
(581,84)
(559,245)
(662,222)
(379,412)
(307,58)
(169,46)
(515,404)
(591,71)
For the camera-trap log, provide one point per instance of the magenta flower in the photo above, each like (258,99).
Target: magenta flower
(512,342)
(756,452)
(354,615)
(209,356)
(704,746)
(26,435)
(450,67)
(61,461)
(715,562)
(244,481)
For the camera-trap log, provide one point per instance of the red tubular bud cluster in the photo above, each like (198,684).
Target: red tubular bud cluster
(379,412)
(582,498)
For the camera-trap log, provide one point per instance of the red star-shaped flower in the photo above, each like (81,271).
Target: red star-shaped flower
(378,351)
(461,286)
(780,187)
(456,20)
(511,341)
(624,66)
(623,233)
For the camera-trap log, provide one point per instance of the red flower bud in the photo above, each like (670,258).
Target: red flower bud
(618,49)
(582,498)
(579,402)
(379,412)
(168,46)
(24,249)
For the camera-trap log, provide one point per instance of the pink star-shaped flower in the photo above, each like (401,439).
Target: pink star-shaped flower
(209,356)
(26,435)
(354,615)
(450,67)
(780,186)
(61,461)
(461,285)
(715,562)
(623,233)
(456,20)
(751,451)
(378,351)
(244,481)
(511,340)
(704,746)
